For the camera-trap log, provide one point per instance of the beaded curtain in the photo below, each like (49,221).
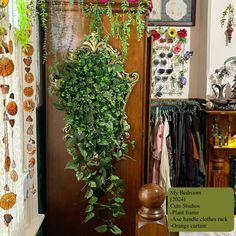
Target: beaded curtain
(18,182)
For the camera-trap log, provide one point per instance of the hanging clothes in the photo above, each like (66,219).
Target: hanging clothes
(199,143)
(189,153)
(169,144)
(157,149)
(181,163)
(177,150)
(164,164)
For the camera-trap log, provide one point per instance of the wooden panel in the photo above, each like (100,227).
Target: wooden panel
(153,229)
(65,203)
(218,158)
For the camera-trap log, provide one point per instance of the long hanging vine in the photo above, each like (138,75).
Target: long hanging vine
(92,88)
(120,23)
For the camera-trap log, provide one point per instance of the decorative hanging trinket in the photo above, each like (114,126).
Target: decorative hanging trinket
(6,188)
(12,108)
(4,3)
(29,78)
(7,163)
(12,96)
(6,66)
(29,105)
(30,130)
(27,61)
(12,122)
(14,176)
(28,91)
(10,46)
(7,219)
(7,201)
(29,118)
(5,88)
(28,50)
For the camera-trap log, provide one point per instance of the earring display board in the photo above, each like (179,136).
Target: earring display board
(170,61)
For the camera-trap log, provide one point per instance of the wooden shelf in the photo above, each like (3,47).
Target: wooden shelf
(221,112)
(223,148)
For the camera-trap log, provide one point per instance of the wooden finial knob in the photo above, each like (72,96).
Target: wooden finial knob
(151,196)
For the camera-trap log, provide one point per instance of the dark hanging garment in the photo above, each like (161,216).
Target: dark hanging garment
(177,156)
(199,144)
(181,145)
(198,179)
(171,160)
(171,149)
(189,153)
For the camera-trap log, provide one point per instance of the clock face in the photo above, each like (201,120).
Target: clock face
(176,9)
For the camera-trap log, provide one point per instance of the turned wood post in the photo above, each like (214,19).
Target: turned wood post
(219,176)
(151,220)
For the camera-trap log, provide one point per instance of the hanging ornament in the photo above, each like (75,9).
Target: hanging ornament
(11,108)
(14,176)
(31,173)
(13,164)
(5,88)
(27,61)
(10,46)
(27,69)
(7,201)
(7,219)
(12,122)
(30,130)
(29,105)
(29,118)
(28,50)
(28,91)
(31,141)
(4,3)
(12,96)
(7,163)
(29,78)
(6,66)
(6,188)
(31,162)
(31,149)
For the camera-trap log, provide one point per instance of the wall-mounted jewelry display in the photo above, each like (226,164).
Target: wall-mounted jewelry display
(170,61)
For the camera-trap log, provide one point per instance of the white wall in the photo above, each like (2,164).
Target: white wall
(218,50)
(208,42)
(199,44)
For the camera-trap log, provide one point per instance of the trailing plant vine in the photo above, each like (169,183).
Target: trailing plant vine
(120,23)
(41,11)
(229,14)
(92,88)
(26,14)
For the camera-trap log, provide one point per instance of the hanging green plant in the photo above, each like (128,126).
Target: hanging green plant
(42,13)
(26,14)
(92,89)
(120,22)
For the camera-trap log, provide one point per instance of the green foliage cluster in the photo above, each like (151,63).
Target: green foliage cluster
(120,23)
(228,13)
(41,11)
(26,14)
(92,88)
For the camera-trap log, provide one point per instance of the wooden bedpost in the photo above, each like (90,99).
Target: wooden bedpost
(151,220)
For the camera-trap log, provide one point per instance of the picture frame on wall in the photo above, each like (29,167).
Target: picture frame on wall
(173,13)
